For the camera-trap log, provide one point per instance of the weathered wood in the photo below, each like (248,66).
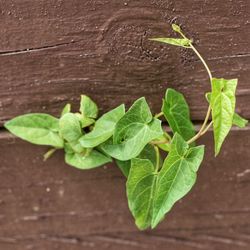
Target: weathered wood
(49,205)
(52,51)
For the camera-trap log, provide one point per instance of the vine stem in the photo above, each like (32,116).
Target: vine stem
(200,133)
(159,115)
(47,155)
(203,128)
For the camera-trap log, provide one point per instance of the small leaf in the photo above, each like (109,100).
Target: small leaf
(88,108)
(152,193)
(104,128)
(86,161)
(66,109)
(176,28)
(70,128)
(41,129)
(223,106)
(176,112)
(133,132)
(239,121)
(182,42)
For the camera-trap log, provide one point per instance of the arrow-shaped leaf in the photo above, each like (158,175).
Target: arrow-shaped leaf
(152,193)
(133,131)
(176,112)
(223,106)
(182,42)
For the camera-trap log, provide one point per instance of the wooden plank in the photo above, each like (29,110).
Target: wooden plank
(52,51)
(49,205)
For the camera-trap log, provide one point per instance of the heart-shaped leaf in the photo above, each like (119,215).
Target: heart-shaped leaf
(133,132)
(152,193)
(41,129)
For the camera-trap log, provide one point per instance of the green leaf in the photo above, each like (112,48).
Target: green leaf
(147,153)
(182,42)
(86,160)
(104,128)
(141,185)
(66,109)
(70,127)
(223,106)
(85,121)
(239,121)
(152,193)
(176,112)
(88,108)
(133,132)
(41,129)
(177,176)
(77,147)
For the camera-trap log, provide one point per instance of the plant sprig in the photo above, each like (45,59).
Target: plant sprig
(135,139)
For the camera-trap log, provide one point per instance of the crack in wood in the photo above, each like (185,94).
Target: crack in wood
(29,50)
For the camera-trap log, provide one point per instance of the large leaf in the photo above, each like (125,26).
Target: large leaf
(70,127)
(41,129)
(239,121)
(177,176)
(141,186)
(133,131)
(152,193)
(223,106)
(147,153)
(182,42)
(86,161)
(176,112)
(104,128)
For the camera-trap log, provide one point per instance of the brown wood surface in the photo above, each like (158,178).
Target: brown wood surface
(52,51)
(53,206)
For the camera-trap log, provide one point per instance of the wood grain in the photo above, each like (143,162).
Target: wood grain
(49,205)
(53,51)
